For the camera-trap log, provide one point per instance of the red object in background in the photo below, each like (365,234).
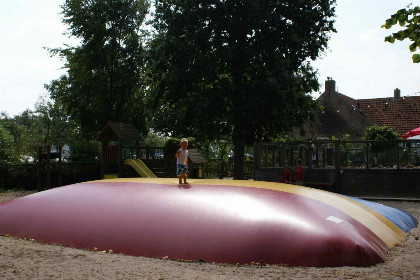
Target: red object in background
(411,133)
(286,176)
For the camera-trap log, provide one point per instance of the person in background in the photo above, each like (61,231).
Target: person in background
(299,173)
(287,175)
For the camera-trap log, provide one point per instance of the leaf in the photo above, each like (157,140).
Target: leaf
(394,20)
(401,35)
(416,58)
(390,39)
(388,24)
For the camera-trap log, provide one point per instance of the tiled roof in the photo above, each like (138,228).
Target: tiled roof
(401,114)
(339,117)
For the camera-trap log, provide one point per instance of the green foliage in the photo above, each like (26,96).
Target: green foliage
(170,148)
(410,20)
(24,130)
(344,145)
(48,125)
(6,146)
(154,139)
(51,125)
(172,145)
(381,133)
(103,79)
(83,150)
(236,68)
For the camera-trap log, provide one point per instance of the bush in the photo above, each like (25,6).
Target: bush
(172,146)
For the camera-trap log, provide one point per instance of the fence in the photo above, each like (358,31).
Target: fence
(24,175)
(340,154)
(163,166)
(380,168)
(215,168)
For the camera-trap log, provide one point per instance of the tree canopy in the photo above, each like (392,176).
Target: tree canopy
(6,145)
(103,79)
(47,125)
(410,20)
(236,68)
(381,133)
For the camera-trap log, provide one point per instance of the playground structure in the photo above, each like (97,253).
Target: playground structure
(120,146)
(225,221)
(140,168)
(114,136)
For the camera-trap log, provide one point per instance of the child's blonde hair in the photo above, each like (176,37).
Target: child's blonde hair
(183,140)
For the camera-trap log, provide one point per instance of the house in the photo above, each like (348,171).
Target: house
(342,114)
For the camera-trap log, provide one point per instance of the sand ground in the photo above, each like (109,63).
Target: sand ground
(25,259)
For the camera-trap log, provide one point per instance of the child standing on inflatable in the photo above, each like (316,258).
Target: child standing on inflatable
(182,161)
(299,173)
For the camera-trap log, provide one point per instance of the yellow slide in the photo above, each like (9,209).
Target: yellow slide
(140,167)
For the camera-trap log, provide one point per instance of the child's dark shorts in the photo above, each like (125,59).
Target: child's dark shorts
(181,169)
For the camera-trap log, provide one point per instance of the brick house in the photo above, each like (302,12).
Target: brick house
(344,115)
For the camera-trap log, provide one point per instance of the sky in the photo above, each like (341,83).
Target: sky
(358,59)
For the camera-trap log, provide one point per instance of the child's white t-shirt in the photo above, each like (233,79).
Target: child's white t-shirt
(183,157)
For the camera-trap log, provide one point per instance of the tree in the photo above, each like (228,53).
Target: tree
(51,126)
(22,130)
(103,79)
(382,136)
(382,132)
(6,145)
(410,19)
(238,68)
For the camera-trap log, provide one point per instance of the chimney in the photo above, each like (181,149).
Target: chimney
(397,93)
(329,85)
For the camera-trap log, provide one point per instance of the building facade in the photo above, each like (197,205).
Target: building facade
(343,115)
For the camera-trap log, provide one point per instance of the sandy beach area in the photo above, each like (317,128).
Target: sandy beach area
(26,259)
